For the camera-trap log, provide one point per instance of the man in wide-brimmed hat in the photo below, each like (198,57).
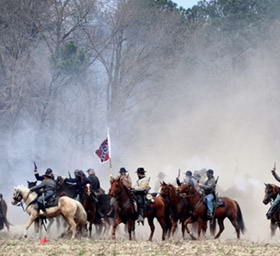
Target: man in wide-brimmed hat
(124,177)
(140,190)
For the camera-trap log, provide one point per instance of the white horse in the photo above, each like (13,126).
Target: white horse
(72,211)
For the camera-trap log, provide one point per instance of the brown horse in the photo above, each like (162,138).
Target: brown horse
(90,206)
(178,207)
(230,210)
(271,192)
(123,206)
(126,213)
(156,209)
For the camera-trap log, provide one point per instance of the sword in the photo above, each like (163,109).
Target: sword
(179,173)
(35,166)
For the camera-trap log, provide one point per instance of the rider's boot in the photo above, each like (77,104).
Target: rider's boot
(209,215)
(141,216)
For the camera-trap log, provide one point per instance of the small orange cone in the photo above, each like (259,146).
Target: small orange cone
(44,240)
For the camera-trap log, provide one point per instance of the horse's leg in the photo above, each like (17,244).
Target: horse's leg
(130,228)
(233,221)
(213,227)
(174,226)
(183,229)
(273,227)
(152,227)
(221,226)
(29,223)
(90,228)
(188,221)
(72,226)
(58,224)
(117,221)
(161,220)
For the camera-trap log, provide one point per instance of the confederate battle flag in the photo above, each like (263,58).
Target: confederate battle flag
(103,151)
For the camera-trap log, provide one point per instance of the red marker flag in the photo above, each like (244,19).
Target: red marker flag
(103,151)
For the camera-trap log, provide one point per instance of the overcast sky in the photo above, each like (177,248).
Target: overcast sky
(186,3)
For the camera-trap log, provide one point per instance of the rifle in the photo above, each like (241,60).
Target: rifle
(69,174)
(274,168)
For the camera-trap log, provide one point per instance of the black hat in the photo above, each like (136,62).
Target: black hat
(189,173)
(141,170)
(210,171)
(48,172)
(122,170)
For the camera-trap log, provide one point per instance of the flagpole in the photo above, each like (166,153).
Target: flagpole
(110,153)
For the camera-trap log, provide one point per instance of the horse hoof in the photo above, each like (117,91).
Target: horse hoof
(25,236)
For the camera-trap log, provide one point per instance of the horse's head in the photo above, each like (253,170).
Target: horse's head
(271,191)
(59,181)
(88,189)
(166,189)
(31,184)
(187,189)
(17,195)
(116,187)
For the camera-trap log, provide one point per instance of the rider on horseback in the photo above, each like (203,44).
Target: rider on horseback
(209,190)
(124,177)
(140,191)
(276,202)
(45,190)
(188,179)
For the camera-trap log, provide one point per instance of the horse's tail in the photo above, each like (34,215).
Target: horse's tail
(240,220)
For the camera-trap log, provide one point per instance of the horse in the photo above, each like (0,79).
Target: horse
(123,207)
(230,210)
(71,210)
(271,192)
(65,189)
(90,206)
(37,224)
(177,205)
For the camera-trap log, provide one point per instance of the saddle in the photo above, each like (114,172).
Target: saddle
(219,202)
(52,202)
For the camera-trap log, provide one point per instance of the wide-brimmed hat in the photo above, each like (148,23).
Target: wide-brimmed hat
(122,170)
(141,170)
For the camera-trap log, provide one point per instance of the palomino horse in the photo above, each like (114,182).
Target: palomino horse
(38,222)
(271,192)
(230,210)
(71,210)
(178,207)
(123,207)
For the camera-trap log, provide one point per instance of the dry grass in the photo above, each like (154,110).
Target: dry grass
(15,247)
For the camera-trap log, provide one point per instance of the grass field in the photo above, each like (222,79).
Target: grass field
(31,247)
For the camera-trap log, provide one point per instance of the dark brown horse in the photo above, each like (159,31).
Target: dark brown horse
(230,210)
(271,192)
(178,208)
(123,207)
(89,203)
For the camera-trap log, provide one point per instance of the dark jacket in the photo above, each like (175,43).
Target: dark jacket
(47,184)
(79,182)
(94,181)
(40,177)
